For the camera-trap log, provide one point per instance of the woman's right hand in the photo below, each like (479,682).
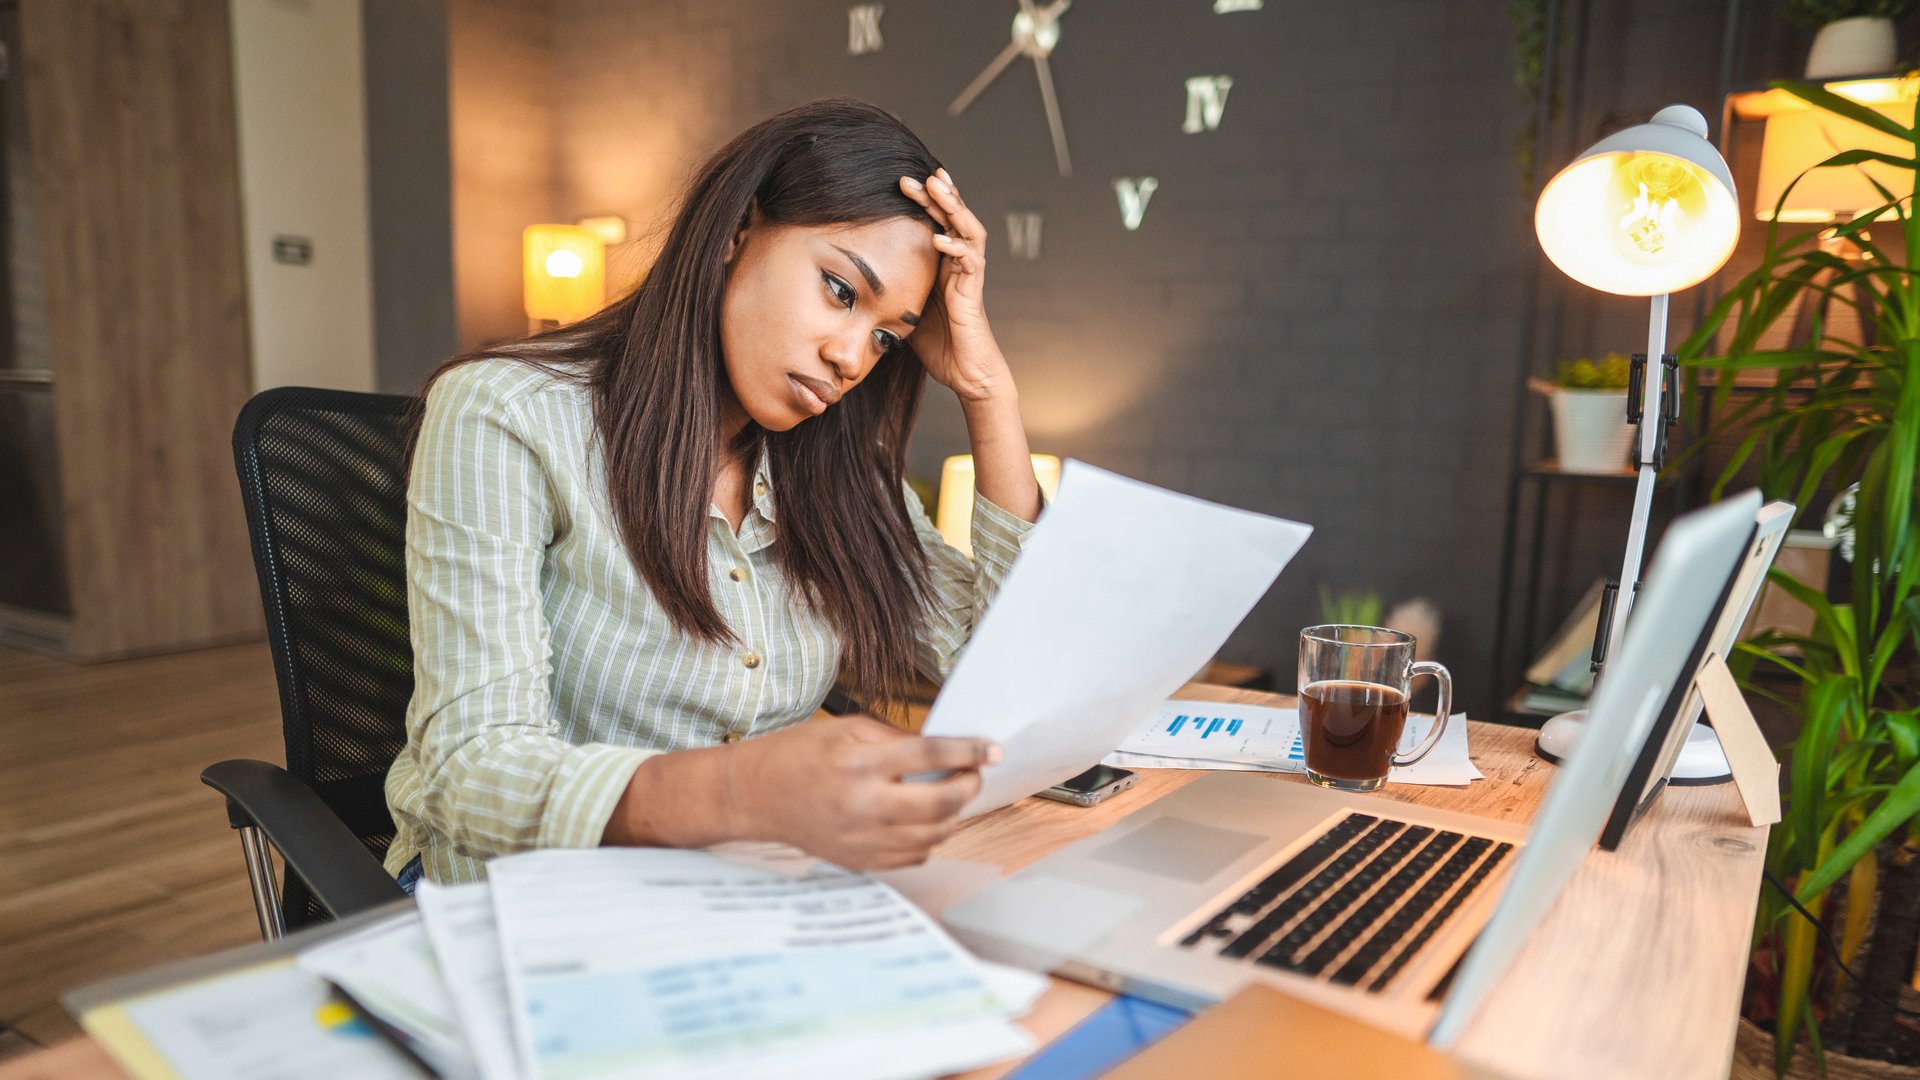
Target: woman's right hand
(833,788)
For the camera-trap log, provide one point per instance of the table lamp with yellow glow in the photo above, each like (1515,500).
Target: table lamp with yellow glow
(1800,137)
(565,270)
(1646,211)
(954,518)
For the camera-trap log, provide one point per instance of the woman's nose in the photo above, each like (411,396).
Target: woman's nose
(842,354)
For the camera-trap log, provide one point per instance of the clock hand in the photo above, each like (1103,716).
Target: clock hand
(980,81)
(1053,116)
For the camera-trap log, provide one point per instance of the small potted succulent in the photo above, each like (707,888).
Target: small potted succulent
(1590,429)
(1855,37)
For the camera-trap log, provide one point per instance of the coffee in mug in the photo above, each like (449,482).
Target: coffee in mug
(1354,685)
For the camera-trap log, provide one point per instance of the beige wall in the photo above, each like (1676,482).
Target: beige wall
(500,65)
(643,94)
(300,98)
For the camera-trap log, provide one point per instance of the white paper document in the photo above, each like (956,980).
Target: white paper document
(1252,738)
(652,963)
(389,969)
(459,921)
(1120,594)
(277,1021)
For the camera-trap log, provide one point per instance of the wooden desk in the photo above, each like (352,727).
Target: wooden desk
(1636,972)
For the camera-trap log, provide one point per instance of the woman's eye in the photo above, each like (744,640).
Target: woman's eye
(885,340)
(842,291)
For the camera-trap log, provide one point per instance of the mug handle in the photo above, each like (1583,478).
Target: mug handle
(1442,716)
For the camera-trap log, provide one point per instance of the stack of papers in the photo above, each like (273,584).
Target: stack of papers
(1251,738)
(616,963)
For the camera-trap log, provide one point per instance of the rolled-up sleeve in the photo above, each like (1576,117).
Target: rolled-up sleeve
(485,766)
(962,587)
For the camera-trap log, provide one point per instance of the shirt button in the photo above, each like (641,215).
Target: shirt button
(752,660)
(759,489)
(737,574)
(730,737)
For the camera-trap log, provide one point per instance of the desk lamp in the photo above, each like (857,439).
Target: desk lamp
(564,272)
(954,518)
(1646,211)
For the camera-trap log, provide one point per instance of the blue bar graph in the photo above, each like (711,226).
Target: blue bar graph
(1178,723)
(1212,727)
(1233,728)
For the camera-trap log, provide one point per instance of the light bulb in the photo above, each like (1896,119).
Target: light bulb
(1660,200)
(564,263)
(1656,219)
(1637,223)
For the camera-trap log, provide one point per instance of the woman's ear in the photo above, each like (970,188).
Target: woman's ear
(739,237)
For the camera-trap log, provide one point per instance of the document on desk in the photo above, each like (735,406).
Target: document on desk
(389,968)
(1120,594)
(656,964)
(459,922)
(1254,738)
(273,1021)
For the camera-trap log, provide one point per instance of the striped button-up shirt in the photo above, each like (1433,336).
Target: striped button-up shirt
(544,669)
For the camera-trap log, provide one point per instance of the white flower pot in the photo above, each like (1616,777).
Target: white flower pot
(1590,430)
(1863,45)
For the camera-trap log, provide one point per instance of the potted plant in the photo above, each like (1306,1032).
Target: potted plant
(1837,412)
(1590,429)
(1855,36)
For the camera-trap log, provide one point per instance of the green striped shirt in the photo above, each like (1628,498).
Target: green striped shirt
(545,671)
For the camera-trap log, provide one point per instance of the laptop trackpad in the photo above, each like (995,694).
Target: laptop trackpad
(1052,916)
(1176,848)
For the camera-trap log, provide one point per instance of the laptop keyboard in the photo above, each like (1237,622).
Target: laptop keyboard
(1358,902)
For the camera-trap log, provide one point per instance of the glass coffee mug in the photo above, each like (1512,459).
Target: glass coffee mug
(1354,683)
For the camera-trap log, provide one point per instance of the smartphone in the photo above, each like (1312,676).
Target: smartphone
(1096,785)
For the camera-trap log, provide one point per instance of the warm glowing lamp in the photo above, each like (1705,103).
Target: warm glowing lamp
(1644,212)
(1799,137)
(565,271)
(954,517)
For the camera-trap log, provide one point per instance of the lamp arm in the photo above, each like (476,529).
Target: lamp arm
(1646,455)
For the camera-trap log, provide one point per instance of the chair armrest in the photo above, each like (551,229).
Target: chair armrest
(342,874)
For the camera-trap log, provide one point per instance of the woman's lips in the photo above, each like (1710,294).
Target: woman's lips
(814,394)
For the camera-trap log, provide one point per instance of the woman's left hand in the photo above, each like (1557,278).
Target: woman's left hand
(954,341)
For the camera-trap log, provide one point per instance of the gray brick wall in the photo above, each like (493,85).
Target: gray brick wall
(1319,316)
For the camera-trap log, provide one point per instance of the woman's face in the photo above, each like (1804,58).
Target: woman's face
(809,310)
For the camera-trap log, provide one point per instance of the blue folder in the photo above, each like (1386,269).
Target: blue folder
(1122,1028)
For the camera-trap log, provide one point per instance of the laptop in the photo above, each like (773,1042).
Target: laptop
(1654,768)
(1402,916)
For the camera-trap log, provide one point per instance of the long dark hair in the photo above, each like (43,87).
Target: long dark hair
(653,365)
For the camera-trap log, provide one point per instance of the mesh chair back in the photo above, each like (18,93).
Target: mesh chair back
(323,475)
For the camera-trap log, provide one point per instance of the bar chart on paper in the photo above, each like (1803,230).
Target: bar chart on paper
(1213,731)
(1249,738)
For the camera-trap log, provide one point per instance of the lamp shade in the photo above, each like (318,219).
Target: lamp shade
(565,270)
(1644,211)
(954,517)
(1798,139)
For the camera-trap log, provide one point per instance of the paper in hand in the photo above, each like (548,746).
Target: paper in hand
(1120,594)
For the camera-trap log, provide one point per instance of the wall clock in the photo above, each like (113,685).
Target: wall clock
(1036,30)
(1036,33)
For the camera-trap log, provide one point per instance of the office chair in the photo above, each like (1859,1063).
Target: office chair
(323,476)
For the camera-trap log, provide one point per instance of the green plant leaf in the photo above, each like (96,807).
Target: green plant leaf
(1826,705)
(1860,114)
(1899,807)
(1826,616)
(1903,732)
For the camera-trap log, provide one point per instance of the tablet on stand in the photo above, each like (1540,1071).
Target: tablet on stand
(1653,769)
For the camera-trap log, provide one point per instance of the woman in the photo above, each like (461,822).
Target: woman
(642,547)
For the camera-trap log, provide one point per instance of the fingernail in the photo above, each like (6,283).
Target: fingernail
(912,183)
(942,184)
(994,753)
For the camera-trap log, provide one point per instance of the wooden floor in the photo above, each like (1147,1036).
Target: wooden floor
(113,856)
